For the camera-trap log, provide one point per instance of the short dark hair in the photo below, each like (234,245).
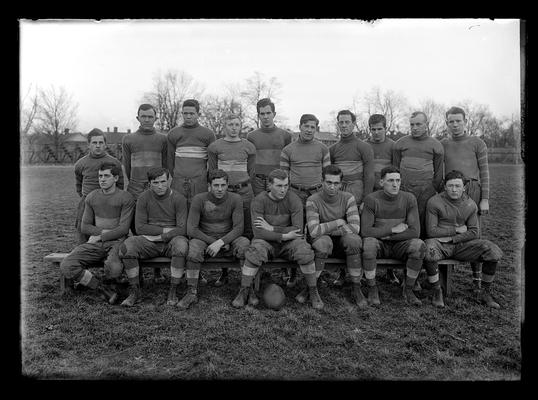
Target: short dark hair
(415,113)
(155,172)
(277,174)
(331,170)
(145,107)
(455,110)
(264,103)
(191,103)
(347,112)
(216,174)
(391,169)
(96,132)
(376,119)
(114,169)
(454,174)
(308,117)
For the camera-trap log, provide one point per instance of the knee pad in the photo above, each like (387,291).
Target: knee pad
(432,252)
(416,249)
(352,244)
(195,253)
(492,251)
(255,256)
(303,253)
(323,246)
(179,246)
(128,248)
(369,248)
(241,246)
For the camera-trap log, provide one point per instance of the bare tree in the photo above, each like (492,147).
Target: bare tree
(215,108)
(388,103)
(169,91)
(56,113)
(477,116)
(255,88)
(28,108)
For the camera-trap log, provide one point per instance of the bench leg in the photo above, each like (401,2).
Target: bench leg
(445,276)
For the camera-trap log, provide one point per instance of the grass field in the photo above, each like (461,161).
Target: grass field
(81,337)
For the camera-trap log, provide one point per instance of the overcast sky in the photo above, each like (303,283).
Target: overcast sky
(321,64)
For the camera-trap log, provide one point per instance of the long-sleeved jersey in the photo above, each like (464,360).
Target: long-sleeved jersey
(322,211)
(382,212)
(187,150)
(304,161)
(236,158)
(356,160)
(284,215)
(112,211)
(87,172)
(469,155)
(443,215)
(211,219)
(420,160)
(154,213)
(142,150)
(269,143)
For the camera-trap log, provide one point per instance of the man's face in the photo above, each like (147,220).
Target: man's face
(378,132)
(454,188)
(391,183)
(146,118)
(97,145)
(218,187)
(160,184)
(106,179)
(266,116)
(233,128)
(307,130)
(456,124)
(418,125)
(331,184)
(345,125)
(190,116)
(279,188)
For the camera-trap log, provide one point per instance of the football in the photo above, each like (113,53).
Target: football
(274,297)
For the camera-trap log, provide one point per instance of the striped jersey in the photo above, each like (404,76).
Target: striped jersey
(187,150)
(284,215)
(153,213)
(142,150)
(382,212)
(211,219)
(87,172)
(236,158)
(382,158)
(420,160)
(356,160)
(304,161)
(469,155)
(322,211)
(112,211)
(269,143)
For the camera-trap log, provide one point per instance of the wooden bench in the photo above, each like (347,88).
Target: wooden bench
(446,267)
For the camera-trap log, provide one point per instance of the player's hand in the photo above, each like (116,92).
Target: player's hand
(461,229)
(261,223)
(399,228)
(483,207)
(340,222)
(94,239)
(295,234)
(361,206)
(214,247)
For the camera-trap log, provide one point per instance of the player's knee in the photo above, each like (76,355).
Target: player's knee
(369,248)
(67,268)
(196,251)
(416,249)
(492,252)
(241,246)
(179,246)
(128,249)
(254,257)
(323,246)
(303,253)
(352,244)
(432,252)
